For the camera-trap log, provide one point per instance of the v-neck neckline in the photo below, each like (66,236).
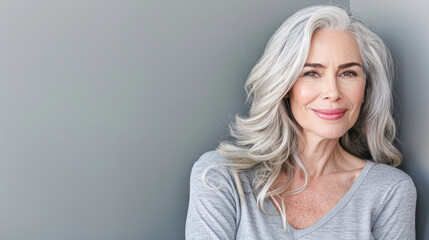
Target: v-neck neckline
(331,213)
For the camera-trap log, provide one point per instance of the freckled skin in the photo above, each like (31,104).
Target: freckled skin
(305,208)
(329,87)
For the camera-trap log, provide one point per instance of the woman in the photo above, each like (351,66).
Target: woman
(313,160)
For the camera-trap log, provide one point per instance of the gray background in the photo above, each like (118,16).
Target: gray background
(105,105)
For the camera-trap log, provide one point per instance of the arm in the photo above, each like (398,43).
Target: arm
(396,218)
(211,212)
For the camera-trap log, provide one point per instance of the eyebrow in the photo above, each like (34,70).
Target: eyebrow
(345,65)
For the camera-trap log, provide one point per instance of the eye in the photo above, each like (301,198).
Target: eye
(348,74)
(311,74)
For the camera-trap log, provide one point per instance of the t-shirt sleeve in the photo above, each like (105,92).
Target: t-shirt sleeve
(212,209)
(396,218)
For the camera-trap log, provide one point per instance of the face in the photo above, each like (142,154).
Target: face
(327,96)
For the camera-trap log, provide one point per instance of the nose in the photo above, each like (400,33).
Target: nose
(330,88)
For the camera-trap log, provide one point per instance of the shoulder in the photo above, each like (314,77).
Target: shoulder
(210,171)
(211,158)
(389,182)
(214,170)
(213,201)
(212,161)
(394,198)
(383,174)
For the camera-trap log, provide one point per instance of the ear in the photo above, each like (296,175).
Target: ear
(287,95)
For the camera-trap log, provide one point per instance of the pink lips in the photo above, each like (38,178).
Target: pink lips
(330,114)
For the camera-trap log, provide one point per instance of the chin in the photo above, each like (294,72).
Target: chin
(332,134)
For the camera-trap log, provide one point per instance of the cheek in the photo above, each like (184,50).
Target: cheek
(302,94)
(356,95)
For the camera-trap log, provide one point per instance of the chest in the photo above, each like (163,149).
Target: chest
(306,208)
(303,211)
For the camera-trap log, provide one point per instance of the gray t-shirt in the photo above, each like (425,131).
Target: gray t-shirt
(379,205)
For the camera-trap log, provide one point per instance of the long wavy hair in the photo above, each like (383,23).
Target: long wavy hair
(268,136)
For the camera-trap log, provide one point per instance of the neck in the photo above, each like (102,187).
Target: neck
(320,156)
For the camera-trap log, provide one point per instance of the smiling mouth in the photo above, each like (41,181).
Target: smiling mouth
(330,114)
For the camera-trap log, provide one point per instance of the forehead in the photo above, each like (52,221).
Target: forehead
(336,45)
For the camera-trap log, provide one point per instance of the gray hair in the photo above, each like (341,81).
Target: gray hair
(267,138)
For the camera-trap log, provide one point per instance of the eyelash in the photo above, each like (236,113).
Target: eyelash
(353,73)
(312,73)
